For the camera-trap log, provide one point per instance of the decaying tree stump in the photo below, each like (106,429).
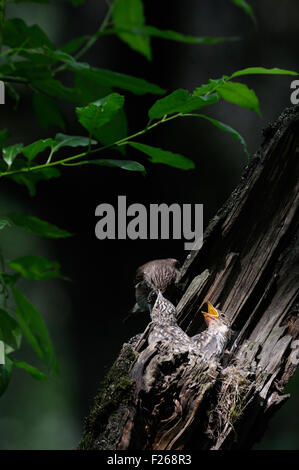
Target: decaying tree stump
(157,396)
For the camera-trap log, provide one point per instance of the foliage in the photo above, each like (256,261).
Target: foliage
(29,59)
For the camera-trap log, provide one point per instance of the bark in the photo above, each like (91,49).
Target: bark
(158,397)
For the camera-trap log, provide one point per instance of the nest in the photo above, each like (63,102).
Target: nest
(233,396)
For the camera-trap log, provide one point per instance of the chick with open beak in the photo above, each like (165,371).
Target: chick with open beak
(214,339)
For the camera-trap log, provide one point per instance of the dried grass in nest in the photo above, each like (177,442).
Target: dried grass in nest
(232,398)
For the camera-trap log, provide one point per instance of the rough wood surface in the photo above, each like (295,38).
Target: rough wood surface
(172,398)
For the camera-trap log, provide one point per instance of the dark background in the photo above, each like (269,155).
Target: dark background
(85,315)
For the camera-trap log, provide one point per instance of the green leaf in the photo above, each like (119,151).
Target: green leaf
(10,153)
(175,36)
(262,71)
(5,374)
(130,14)
(33,371)
(29,69)
(61,56)
(246,8)
(56,89)
(17,33)
(4,223)
(4,134)
(36,268)
(10,332)
(47,111)
(226,128)
(129,165)
(180,101)
(32,150)
(37,226)
(35,56)
(89,88)
(29,179)
(163,156)
(110,79)
(210,87)
(34,329)
(115,130)
(10,279)
(95,115)
(239,94)
(63,140)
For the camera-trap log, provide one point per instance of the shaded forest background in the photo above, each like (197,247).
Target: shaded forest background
(85,315)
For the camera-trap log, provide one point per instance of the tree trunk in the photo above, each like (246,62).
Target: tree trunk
(155,397)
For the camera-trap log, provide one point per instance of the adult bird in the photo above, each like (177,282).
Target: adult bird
(155,276)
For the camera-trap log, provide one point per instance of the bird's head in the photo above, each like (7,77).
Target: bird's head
(158,274)
(215,319)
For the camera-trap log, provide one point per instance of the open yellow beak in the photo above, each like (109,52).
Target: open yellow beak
(212,313)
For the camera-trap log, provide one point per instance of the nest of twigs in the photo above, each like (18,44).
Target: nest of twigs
(233,396)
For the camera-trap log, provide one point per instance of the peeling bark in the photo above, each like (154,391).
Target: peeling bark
(248,266)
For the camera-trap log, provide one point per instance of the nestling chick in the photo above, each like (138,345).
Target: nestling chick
(213,340)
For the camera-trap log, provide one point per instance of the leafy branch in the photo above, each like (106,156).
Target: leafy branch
(67,160)
(178,104)
(18,317)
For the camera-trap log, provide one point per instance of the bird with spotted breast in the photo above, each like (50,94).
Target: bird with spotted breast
(164,327)
(153,282)
(209,344)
